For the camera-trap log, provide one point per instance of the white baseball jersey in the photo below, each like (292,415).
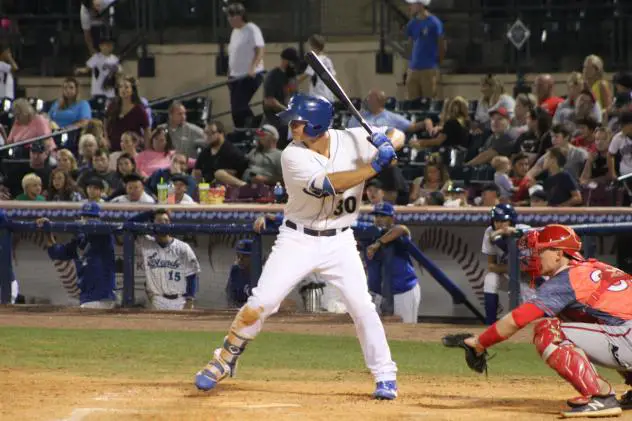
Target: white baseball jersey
(6,81)
(316,84)
(490,249)
(88,20)
(102,67)
(348,150)
(167,268)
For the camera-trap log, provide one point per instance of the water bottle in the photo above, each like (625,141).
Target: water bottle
(162,192)
(279,192)
(171,193)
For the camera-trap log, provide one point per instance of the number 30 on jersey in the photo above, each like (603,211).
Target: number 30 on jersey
(346,205)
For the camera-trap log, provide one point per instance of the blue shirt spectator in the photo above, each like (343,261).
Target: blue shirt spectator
(376,115)
(425,33)
(68,110)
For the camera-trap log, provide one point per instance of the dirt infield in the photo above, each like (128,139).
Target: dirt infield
(57,396)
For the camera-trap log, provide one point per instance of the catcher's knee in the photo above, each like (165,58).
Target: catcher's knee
(547,335)
(491,283)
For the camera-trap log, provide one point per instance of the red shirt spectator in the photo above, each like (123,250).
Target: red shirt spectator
(544,85)
(519,168)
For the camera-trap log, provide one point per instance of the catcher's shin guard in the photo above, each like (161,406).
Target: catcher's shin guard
(569,361)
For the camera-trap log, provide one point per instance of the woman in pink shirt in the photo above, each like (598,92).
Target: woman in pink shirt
(159,155)
(28,124)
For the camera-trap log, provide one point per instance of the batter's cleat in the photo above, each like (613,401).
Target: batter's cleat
(214,372)
(598,406)
(626,400)
(385,390)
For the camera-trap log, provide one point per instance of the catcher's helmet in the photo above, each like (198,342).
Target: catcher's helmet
(315,111)
(91,210)
(558,237)
(504,212)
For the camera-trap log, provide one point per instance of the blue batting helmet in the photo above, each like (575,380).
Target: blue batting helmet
(504,212)
(244,246)
(315,111)
(90,209)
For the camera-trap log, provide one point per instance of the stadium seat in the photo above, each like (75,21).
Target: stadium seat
(357,102)
(37,103)
(98,105)
(391,103)
(198,109)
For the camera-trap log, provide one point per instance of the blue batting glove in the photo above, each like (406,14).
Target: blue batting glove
(385,155)
(378,139)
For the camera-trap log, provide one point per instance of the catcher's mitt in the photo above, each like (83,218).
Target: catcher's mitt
(475,361)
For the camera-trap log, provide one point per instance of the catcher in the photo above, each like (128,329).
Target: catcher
(594,300)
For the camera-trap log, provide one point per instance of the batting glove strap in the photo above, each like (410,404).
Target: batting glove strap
(384,157)
(378,139)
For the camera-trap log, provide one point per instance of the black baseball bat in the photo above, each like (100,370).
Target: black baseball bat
(319,68)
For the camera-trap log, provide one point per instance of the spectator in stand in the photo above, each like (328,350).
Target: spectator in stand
(490,196)
(181,186)
(596,168)
(566,110)
(219,157)
(316,86)
(126,113)
(178,166)
(92,22)
(278,87)
(455,131)
(623,98)
(28,124)
(519,169)
(95,190)
(493,98)
(374,192)
(537,199)
(7,67)
(499,143)
(544,87)
(95,128)
(187,138)
(245,61)
(134,191)
(31,188)
(427,41)
(158,155)
(599,86)
(104,67)
(264,158)
(456,197)
(560,186)
(524,104)
(69,110)
(435,178)
(621,146)
(88,146)
(574,157)
(40,163)
(62,187)
(100,168)
(585,107)
(125,165)
(377,115)
(586,133)
(537,139)
(129,145)
(66,162)
(502,166)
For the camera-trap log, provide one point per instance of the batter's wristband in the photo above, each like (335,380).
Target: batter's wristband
(490,337)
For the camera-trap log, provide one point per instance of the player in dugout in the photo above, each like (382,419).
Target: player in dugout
(93,255)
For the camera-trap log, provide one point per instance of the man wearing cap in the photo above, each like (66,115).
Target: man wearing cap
(181,185)
(95,188)
(621,145)
(93,255)
(245,61)
(404,284)
(40,163)
(500,142)
(238,286)
(278,87)
(425,35)
(265,158)
(134,191)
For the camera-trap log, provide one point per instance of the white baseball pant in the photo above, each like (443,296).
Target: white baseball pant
(102,305)
(158,302)
(336,259)
(406,304)
(494,282)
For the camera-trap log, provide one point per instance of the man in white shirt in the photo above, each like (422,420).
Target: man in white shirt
(324,172)
(92,22)
(316,86)
(621,144)
(245,61)
(7,67)
(134,191)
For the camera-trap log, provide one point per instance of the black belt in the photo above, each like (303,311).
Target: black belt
(316,233)
(171,296)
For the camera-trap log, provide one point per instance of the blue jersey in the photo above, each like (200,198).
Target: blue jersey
(238,286)
(93,255)
(403,276)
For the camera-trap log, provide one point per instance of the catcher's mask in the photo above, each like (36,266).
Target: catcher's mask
(556,237)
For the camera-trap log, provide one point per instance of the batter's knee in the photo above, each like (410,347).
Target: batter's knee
(491,283)
(547,334)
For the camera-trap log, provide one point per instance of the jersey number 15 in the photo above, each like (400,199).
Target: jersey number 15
(347,205)
(174,276)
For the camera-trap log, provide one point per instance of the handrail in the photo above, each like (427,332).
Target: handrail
(38,138)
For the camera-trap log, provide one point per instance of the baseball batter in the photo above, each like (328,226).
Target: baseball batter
(503,221)
(171,267)
(594,300)
(404,283)
(324,172)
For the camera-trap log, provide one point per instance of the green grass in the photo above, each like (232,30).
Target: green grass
(177,355)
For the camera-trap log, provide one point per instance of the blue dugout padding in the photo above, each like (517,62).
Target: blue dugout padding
(129,230)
